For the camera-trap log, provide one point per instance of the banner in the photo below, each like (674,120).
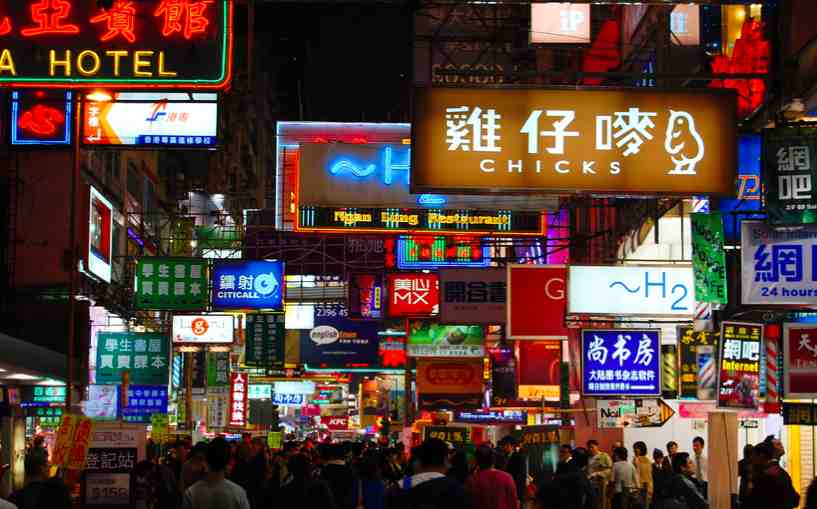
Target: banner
(338,342)
(503,375)
(799,361)
(144,355)
(789,157)
(454,384)
(698,355)
(537,302)
(540,370)
(709,258)
(173,284)
(264,336)
(621,362)
(473,295)
(427,338)
(778,267)
(248,284)
(238,400)
(413,294)
(740,352)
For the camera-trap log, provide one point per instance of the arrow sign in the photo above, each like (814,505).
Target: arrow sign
(633,413)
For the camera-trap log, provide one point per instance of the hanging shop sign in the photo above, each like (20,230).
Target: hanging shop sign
(747,199)
(740,352)
(698,355)
(100,236)
(173,284)
(152,119)
(218,369)
(473,295)
(450,384)
(366,296)
(203,329)
(144,356)
(633,413)
(799,361)
(237,411)
(264,336)
(428,338)
(539,370)
(433,252)
(47,417)
(280,398)
(144,401)
(559,23)
(259,391)
(789,169)
(631,290)
(455,435)
(218,407)
(799,414)
(778,266)
(503,375)
(612,140)
(41,117)
(709,258)
(621,362)
(338,342)
(492,417)
(669,371)
(413,294)
(45,394)
(166,43)
(248,284)
(537,302)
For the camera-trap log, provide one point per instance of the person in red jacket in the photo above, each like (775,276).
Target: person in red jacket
(488,487)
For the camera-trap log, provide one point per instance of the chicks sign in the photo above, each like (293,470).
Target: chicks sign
(130,44)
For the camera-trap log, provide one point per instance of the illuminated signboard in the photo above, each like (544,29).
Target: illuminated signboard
(100,240)
(413,294)
(41,117)
(427,252)
(203,329)
(152,119)
(73,43)
(248,284)
(559,23)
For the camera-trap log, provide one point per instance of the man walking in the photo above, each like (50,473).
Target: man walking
(489,488)
(699,458)
(772,488)
(516,466)
(215,491)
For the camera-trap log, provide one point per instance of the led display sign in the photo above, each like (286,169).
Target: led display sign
(152,119)
(131,44)
(431,252)
(41,117)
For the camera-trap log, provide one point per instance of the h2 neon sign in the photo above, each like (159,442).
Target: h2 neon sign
(390,166)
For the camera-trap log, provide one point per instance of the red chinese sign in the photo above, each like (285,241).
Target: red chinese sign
(413,294)
(800,361)
(131,44)
(238,400)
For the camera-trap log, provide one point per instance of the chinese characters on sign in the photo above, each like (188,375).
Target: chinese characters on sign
(248,284)
(264,337)
(144,355)
(457,436)
(171,284)
(287,399)
(789,158)
(699,361)
(413,294)
(48,417)
(366,296)
(740,354)
(144,401)
(799,414)
(709,258)
(580,140)
(238,400)
(427,338)
(218,369)
(621,361)
(449,384)
(800,361)
(473,295)
(435,251)
(48,394)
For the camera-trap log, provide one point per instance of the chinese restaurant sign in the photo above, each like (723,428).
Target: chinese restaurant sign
(238,400)
(248,284)
(413,294)
(41,117)
(739,380)
(473,295)
(133,44)
(265,340)
(789,170)
(537,301)
(533,140)
(171,284)
(143,402)
(698,354)
(144,355)
(799,361)
(452,384)
(778,267)
(709,258)
(427,338)
(621,362)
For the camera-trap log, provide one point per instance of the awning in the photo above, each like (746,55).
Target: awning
(24,363)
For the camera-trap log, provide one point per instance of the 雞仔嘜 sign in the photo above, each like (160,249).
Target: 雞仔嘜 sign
(131,44)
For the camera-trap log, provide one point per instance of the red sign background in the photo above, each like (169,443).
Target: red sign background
(455,376)
(239,384)
(413,294)
(336,423)
(537,301)
(800,362)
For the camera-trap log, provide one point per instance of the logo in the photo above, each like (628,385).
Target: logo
(557,293)
(157,111)
(266,284)
(324,335)
(42,120)
(683,143)
(199,326)
(569,20)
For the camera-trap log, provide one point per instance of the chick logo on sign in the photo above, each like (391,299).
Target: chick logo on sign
(248,284)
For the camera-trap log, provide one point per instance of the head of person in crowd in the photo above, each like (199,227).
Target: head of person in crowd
(369,466)
(358,448)
(198,452)
(672,448)
(434,456)
(763,453)
(291,449)
(658,456)
(593,447)
(698,445)
(486,457)
(309,445)
(181,449)
(565,453)
(640,448)
(682,464)
(218,455)
(777,446)
(36,468)
(508,445)
(300,466)
(620,454)
(580,457)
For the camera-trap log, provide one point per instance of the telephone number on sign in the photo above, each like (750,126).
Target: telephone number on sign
(107,489)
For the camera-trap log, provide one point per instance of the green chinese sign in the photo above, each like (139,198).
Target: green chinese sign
(48,394)
(218,369)
(178,284)
(144,355)
(709,258)
(789,173)
(265,336)
(48,417)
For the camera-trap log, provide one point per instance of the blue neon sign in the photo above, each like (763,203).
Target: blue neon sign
(41,118)
(248,284)
(391,162)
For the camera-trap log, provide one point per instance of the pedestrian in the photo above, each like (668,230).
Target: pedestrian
(516,465)
(370,487)
(745,472)
(772,487)
(699,458)
(166,494)
(565,464)
(430,488)
(570,489)
(599,469)
(392,468)
(672,450)
(339,476)
(685,492)
(301,489)
(195,468)
(624,480)
(811,496)
(661,478)
(142,485)
(489,488)
(40,491)
(216,491)
(643,466)
(460,468)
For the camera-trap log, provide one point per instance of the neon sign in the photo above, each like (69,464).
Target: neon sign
(132,44)
(431,252)
(390,164)
(41,118)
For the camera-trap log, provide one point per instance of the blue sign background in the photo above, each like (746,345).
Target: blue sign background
(143,401)
(357,344)
(287,399)
(248,284)
(624,362)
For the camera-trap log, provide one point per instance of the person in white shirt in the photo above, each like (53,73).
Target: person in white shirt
(624,479)
(699,458)
(214,491)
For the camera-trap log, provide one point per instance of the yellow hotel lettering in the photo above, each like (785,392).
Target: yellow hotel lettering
(67,63)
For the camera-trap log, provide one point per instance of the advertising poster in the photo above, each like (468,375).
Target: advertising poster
(366,296)
(248,284)
(789,158)
(454,384)
(100,236)
(621,362)
(503,375)
(698,356)
(102,401)
(144,355)
(172,284)
(427,338)
(203,329)
(633,413)
(473,295)
(539,370)
(537,302)
(338,342)
(143,402)
(740,352)
(264,336)
(799,361)
(413,294)
(709,258)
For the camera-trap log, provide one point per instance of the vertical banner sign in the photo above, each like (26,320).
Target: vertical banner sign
(669,371)
(144,355)
(709,258)
(799,361)
(80,442)
(537,302)
(62,444)
(621,362)
(366,296)
(264,340)
(100,236)
(218,405)
(218,369)
(238,400)
(413,294)
(503,374)
(789,165)
(171,284)
(473,295)
(698,354)
(739,380)
(540,370)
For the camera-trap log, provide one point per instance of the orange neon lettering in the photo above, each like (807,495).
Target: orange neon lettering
(120,18)
(183,16)
(49,16)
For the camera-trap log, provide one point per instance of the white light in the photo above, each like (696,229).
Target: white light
(21,376)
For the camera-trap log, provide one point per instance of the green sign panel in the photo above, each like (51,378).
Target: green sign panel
(49,394)
(144,355)
(709,258)
(265,336)
(218,369)
(178,284)
(789,175)
(49,417)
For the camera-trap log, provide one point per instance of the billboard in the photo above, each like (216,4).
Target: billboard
(248,284)
(539,369)
(799,361)
(427,338)
(639,141)
(165,43)
(537,302)
(473,295)
(152,119)
(100,236)
(698,355)
(739,373)
(412,294)
(41,117)
(203,329)
(338,342)
(559,23)
(623,362)
(452,384)
(789,175)
(433,252)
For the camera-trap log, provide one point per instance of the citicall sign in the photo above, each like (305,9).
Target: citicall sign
(537,301)
(211,329)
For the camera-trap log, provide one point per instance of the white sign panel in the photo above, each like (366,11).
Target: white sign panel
(203,329)
(107,489)
(777,267)
(631,290)
(559,23)
(100,238)
(295,387)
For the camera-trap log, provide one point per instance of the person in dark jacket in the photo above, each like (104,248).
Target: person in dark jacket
(745,471)
(565,464)
(811,495)
(516,465)
(684,488)
(340,477)
(301,489)
(569,489)
(40,492)
(430,488)
(661,478)
(772,487)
